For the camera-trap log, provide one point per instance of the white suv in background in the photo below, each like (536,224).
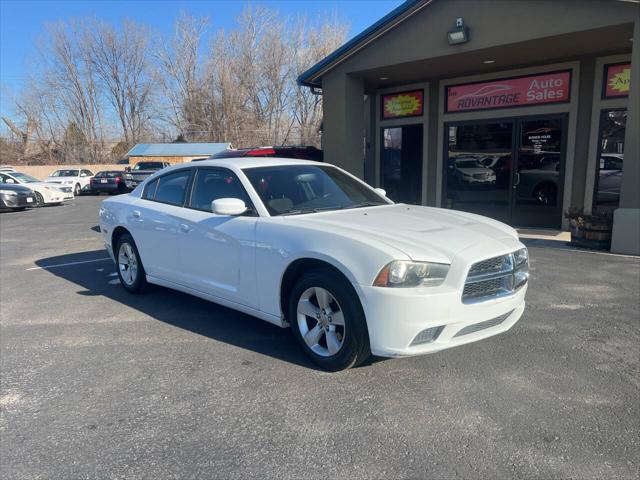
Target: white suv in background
(78,179)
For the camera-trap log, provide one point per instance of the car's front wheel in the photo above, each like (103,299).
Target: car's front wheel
(130,270)
(327,320)
(39,199)
(77,190)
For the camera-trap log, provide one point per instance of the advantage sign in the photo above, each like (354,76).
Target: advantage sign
(510,92)
(405,104)
(617,80)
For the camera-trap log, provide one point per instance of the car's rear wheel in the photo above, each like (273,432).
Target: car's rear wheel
(130,270)
(77,190)
(39,199)
(327,320)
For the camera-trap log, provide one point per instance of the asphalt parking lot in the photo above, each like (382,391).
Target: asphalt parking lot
(97,383)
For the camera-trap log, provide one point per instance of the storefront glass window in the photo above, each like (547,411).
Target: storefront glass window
(479,168)
(402,163)
(611,155)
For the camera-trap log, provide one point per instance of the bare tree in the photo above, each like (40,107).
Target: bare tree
(120,60)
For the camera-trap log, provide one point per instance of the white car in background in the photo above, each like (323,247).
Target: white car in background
(44,193)
(471,171)
(78,179)
(305,244)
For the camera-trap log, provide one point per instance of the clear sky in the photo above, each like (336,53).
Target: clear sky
(22,21)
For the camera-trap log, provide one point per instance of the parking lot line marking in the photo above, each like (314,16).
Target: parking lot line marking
(47,267)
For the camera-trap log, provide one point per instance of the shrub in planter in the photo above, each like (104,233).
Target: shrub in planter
(590,230)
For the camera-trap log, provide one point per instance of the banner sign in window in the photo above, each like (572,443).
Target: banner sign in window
(510,92)
(617,79)
(404,104)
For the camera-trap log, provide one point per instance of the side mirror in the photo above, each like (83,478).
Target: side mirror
(380,191)
(228,206)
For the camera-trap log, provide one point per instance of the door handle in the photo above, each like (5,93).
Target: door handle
(185,228)
(517,182)
(136,214)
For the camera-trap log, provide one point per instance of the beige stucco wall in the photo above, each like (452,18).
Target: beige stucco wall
(43,171)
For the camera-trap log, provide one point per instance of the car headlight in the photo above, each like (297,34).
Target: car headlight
(403,273)
(8,192)
(521,273)
(521,256)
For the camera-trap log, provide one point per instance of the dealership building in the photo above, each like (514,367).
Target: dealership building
(517,110)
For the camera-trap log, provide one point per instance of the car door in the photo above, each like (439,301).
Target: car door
(155,221)
(217,252)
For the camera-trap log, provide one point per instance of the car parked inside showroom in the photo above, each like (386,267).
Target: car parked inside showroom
(109,181)
(14,197)
(305,244)
(79,179)
(43,193)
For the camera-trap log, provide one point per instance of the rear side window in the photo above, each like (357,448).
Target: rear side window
(214,183)
(172,188)
(150,190)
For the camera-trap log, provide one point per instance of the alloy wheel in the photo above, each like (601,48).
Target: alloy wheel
(39,199)
(127,264)
(321,321)
(76,190)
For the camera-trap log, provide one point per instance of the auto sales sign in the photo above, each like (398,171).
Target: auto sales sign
(510,92)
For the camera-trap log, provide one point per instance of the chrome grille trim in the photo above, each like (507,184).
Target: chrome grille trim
(492,278)
(477,327)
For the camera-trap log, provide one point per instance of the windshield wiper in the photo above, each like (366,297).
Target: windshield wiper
(365,204)
(300,211)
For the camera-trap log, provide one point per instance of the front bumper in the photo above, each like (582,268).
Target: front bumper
(16,201)
(395,317)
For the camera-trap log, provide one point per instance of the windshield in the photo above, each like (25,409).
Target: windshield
(148,166)
(294,189)
(107,174)
(23,177)
(468,164)
(65,173)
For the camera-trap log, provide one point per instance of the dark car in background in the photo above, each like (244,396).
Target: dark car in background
(301,152)
(109,181)
(141,171)
(15,197)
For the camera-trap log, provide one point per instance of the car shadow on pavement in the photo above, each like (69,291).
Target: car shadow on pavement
(96,274)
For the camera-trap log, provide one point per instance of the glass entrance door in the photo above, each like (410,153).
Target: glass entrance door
(401,163)
(478,168)
(539,173)
(511,170)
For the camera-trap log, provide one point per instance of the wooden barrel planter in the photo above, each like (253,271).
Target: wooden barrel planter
(589,235)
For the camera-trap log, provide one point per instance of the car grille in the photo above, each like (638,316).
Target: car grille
(477,327)
(494,277)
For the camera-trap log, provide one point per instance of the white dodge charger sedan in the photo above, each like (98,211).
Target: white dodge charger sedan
(307,245)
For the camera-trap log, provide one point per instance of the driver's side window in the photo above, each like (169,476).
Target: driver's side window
(214,183)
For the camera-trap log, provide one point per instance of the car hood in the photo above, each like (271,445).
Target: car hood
(422,233)
(59,179)
(15,188)
(473,170)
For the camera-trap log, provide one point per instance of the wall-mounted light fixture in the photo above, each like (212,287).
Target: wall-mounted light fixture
(459,34)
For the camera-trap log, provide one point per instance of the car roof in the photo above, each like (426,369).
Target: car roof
(252,162)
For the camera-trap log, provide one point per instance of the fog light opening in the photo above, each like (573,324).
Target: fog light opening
(427,336)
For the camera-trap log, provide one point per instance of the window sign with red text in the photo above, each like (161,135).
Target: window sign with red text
(617,80)
(404,104)
(523,91)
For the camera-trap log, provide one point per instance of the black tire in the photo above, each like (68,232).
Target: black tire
(355,347)
(77,190)
(39,200)
(139,283)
